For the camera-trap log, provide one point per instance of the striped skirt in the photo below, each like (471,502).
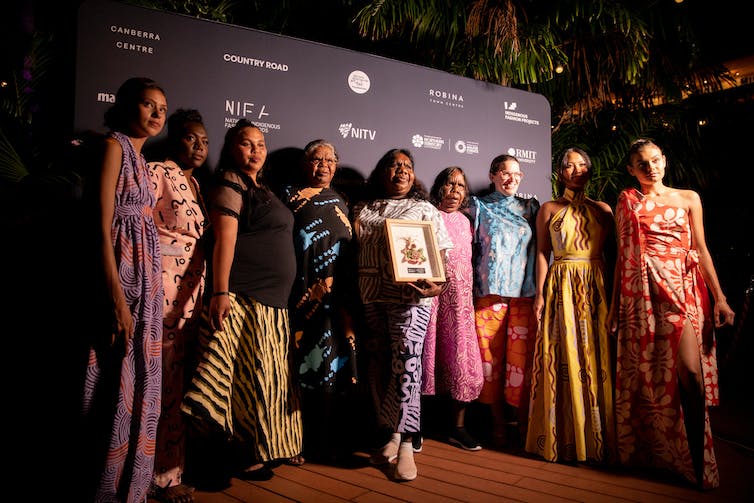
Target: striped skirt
(242,384)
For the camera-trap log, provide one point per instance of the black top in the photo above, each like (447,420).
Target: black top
(264,263)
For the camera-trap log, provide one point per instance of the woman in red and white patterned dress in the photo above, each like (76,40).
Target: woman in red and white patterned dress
(666,366)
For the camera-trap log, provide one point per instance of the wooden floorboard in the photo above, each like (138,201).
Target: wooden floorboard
(449,474)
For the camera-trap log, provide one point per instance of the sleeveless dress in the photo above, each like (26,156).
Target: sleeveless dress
(451,363)
(661,289)
(571,416)
(127,473)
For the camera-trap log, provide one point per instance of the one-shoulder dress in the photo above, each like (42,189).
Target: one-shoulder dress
(661,290)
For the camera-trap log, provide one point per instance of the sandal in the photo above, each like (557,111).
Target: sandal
(297,460)
(180,493)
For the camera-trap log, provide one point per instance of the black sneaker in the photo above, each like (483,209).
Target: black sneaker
(461,438)
(416,442)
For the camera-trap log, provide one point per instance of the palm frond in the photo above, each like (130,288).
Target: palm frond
(12,167)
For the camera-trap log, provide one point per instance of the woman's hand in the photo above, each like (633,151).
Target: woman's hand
(539,304)
(427,288)
(723,314)
(219,309)
(123,324)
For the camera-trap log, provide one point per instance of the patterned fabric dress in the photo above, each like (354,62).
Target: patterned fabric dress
(129,465)
(661,289)
(181,221)
(504,248)
(571,415)
(451,362)
(322,356)
(396,317)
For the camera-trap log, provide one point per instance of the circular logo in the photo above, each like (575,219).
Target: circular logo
(358,81)
(512,151)
(417,140)
(460,146)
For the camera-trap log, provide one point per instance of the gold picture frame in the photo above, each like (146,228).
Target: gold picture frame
(414,251)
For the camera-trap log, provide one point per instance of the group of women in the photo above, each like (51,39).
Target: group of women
(256,342)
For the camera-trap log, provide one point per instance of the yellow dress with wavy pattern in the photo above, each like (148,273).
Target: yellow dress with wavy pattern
(571,413)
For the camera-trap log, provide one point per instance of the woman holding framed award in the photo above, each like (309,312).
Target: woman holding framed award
(396,308)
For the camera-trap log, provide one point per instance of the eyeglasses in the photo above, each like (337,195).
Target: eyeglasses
(508,174)
(317,161)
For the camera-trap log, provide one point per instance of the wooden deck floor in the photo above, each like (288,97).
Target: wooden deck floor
(449,474)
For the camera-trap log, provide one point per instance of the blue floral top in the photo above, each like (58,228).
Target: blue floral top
(504,245)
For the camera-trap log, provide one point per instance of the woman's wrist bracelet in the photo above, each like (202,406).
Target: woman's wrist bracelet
(217,294)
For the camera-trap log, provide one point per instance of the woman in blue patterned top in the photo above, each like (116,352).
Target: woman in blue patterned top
(504,289)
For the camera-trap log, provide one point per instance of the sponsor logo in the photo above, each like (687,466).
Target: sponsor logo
(427,141)
(141,35)
(239,109)
(523,156)
(447,98)
(254,62)
(359,82)
(133,32)
(106,97)
(512,115)
(466,147)
(347,130)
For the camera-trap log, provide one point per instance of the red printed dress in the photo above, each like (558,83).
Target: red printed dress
(661,288)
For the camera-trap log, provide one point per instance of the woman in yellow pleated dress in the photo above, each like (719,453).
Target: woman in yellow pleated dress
(571,412)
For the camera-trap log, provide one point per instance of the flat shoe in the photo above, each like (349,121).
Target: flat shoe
(405,469)
(263,473)
(461,438)
(388,452)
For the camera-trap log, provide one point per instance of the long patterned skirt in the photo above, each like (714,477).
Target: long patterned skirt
(242,385)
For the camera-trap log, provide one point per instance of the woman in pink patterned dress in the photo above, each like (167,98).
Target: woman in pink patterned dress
(666,366)
(122,384)
(451,362)
(181,222)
